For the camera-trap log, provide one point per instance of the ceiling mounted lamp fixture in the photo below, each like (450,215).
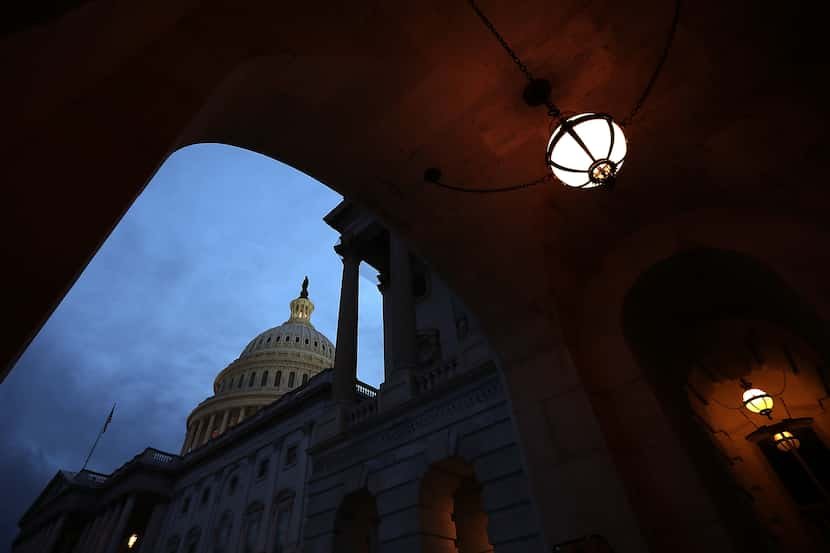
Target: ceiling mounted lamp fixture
(132,540)
(586,150)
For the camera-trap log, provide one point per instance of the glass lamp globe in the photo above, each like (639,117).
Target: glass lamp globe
(587,150)
(785,441)
(132,540)
(758,401)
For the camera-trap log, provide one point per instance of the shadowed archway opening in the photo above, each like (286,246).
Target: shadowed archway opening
(356,527)
(703,324)
(452,517)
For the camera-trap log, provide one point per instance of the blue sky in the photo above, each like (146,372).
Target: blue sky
(207,257)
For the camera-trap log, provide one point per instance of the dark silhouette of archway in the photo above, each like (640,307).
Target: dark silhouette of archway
(356,526)
(451,509)
(664,316)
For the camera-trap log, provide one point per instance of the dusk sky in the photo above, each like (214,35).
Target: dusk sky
(207,257)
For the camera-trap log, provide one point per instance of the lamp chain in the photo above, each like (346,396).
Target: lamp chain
(663,56)
(553,111)
(434,176)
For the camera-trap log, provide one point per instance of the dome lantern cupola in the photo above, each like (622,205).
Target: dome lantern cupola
(301,307)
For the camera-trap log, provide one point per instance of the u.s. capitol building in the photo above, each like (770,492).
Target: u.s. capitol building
(292,453)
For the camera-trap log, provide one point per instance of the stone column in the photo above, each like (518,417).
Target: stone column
(105,530)
(209,429)
(388,323)
(194,443)
(345,354)
(151,532)
(224,425)
(241,415)
(188,439)
(405,355)
(88,538)
(54,534)
(400,337)
(121,525)
(79,546)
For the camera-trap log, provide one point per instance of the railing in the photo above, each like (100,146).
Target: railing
(429,378)
(361,411)
(365,390)
(91,476)
(158,457)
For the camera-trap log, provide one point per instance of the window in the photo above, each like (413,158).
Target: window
(315,343)
(253,520)
(297,339)
(278,338)
(291,379)
(251,379)
(262,470)
(173,544)
(306,341)
(268,341)
(305,379)
(185,505)
(239,384)
(290,456)
(206,496)
(223,532)
(191,542)
(232,484)
(264,380)
(277,378)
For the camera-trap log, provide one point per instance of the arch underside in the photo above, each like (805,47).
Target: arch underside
(365,98)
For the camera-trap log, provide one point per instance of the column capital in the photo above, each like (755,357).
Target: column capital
(347,248)
(383,282)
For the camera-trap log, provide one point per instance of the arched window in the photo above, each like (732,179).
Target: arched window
(305,379)
(252,524)
(283,504)
(277,378)
(173,544)
(239,384)
(297,339)
(191,541)
(232,482)
(223,531)
(251,379)
(291,379)
(264,380)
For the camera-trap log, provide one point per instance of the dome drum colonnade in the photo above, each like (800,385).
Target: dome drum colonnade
(272,364)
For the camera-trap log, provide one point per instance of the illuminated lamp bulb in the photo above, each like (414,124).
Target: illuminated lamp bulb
(132,540)
(758,401)
(785,441)
(587,150)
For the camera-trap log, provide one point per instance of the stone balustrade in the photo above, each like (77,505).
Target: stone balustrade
(430,377)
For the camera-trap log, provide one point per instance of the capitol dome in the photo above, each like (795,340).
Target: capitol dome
(275,362)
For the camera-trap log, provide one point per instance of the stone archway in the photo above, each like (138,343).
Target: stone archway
(710,304)
(452,516)
(356,526)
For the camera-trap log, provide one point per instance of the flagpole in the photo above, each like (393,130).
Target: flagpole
(104,429)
